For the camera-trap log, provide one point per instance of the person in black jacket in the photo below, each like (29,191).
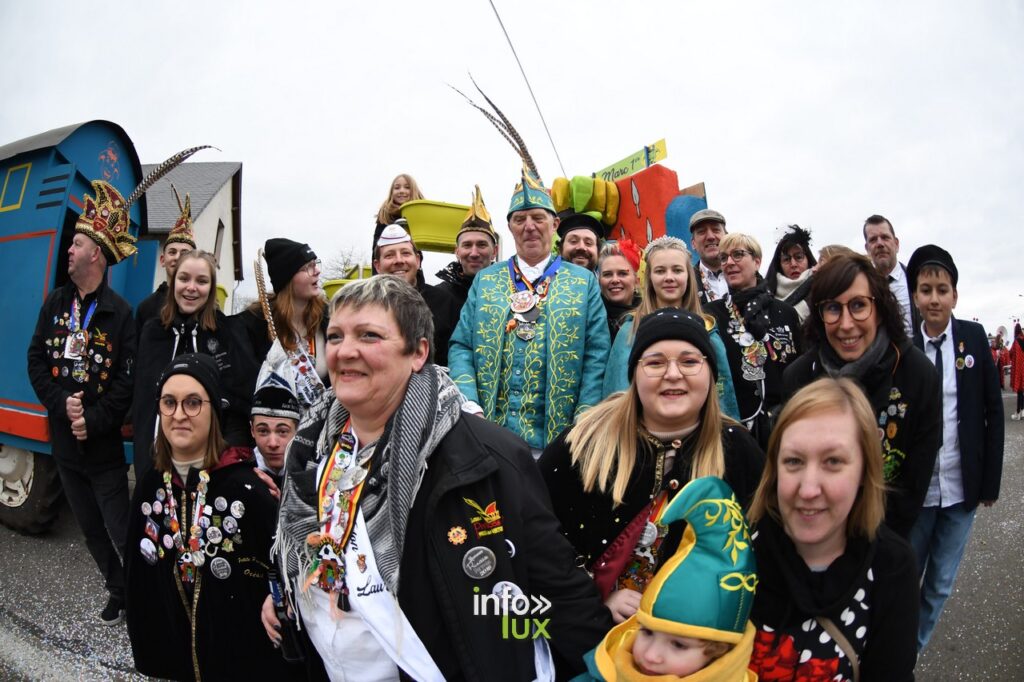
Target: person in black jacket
(837,590)
(180,240)
(199,542)
(419,523)
(855,330)
(761,334)
(191,323)
(476,246)
(611,473)
(396,254)
(80,363)
(970,461)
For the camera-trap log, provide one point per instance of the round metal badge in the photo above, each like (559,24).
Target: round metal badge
(220,504)
(237,509)
(479,562)
(198,558)
(147,508)
(220,568)
(148,550)
(648,535)
(526,332)
(158,507)
(521,301)
(351,478)
(214,535)
(230,525)
(161,494)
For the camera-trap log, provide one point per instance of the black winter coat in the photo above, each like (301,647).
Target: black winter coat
(109,364)
(210,629)
(903,388)
(870,593)
(150,307)
(252,326)
(591,523)
(158,345)
(445,311)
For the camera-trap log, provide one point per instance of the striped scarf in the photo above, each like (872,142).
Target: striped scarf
(430,408)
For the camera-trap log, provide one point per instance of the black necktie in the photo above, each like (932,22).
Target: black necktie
(937,344)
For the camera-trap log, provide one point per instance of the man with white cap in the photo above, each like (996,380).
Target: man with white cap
(396,254)
(707,228)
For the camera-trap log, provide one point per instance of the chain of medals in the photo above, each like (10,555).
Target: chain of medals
(307,382)
(78,338)
(338,492)
(527,301)
(753,351)
(191,552)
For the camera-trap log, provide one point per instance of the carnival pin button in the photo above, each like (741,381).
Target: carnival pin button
(220,504)
(147,508)
(648,535)
(230,525)
(158,507)
(969,361)
(168,541)
(959,363)
(220,568)
(479,562)
(148,550)
(161,494)
(198,558)
(457,535)
(237,509)
(214,535)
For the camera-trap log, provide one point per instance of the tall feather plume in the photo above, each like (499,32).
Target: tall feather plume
(503,125)
(162,170)
(261,289)
(181,209)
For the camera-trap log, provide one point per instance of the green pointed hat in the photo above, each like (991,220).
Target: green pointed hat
(530,193)
(706,589)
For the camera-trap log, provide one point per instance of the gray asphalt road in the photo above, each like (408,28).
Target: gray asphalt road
(51,595)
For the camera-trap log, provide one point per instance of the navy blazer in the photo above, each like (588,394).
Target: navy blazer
(979,408)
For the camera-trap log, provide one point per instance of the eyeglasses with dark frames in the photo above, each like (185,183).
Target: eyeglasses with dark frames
(736,255)
(192,405)
(859,307)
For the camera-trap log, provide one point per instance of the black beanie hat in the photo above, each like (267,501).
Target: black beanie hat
(676,324)
(284,259)
(203,369)
(929,254)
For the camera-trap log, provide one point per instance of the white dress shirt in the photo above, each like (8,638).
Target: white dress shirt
(900,289)
(947,484)
(532,272)
(714,283)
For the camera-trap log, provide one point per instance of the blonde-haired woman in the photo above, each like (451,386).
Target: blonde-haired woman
(837,593)
(761,334)
(610,474)
(670,282)
(403,189)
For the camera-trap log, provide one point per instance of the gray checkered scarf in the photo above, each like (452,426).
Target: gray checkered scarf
(430,408)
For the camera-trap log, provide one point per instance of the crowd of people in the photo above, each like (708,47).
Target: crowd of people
(588,460)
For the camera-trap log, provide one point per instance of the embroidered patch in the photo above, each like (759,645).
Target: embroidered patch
(457,535)
(488,520)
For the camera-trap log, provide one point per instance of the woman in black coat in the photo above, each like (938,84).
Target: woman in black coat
(761,334)
(856,330)
(611,473)
(191,323)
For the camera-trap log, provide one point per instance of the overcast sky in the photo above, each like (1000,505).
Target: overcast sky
(808,112)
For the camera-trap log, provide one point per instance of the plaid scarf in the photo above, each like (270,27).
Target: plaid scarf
(429,410)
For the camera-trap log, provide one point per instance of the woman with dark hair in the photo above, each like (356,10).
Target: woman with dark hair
(1017,370)
(199,538)
(610,473)
(789,273)
(856,330)
(837,591)
(761,334)
(190,322)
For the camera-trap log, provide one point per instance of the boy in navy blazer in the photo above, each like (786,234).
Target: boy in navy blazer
(970,461)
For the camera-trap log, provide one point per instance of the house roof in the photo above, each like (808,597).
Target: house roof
(200,180)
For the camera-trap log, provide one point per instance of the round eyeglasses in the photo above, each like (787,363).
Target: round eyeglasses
(655,366)
(312,267)
(736,255)
(859,307)
(191,405)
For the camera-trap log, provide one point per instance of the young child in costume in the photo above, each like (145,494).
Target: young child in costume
(693,622)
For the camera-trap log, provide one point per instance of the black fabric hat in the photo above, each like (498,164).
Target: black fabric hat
(574,221)
(203,369)
(676,324)
(284,259)
(274,401)
(929,254)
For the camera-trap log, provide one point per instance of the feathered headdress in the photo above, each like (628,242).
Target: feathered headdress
(105,217)
(477,218)
(182,230)
(530,192)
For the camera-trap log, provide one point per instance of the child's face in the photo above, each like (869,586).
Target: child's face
(935,297)
(659,653)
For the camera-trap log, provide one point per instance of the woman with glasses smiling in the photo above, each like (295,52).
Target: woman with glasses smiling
(761,334)
(199,537)
(610,473)
(856,330)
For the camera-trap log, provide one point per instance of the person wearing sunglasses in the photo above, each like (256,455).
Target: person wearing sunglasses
(789,274)
(856,330)
(761,334)
(190,322)
(611,473)
(198,546)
